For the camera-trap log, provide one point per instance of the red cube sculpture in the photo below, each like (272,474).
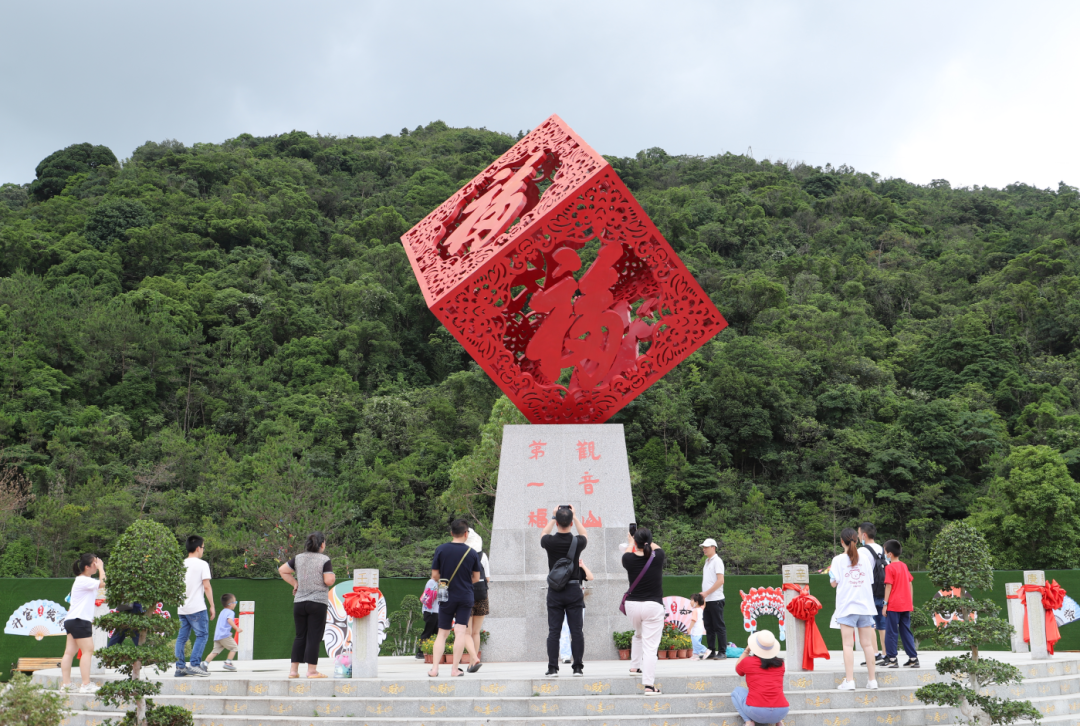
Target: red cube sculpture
(553,278)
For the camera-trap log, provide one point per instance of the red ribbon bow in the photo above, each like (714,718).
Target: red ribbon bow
(805,607)
(1053,597)
(361,601)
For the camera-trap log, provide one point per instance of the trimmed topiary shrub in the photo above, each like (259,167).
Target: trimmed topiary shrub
(146,566)
(960,558)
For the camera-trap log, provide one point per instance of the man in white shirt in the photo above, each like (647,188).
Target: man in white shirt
(712,589)
(193,615)
(867,533)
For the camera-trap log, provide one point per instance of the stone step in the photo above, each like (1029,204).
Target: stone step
(593,704)
(1058,709)
(477,686)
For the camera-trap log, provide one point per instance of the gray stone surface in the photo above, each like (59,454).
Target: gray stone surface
(365,634)
(1036,621)
(541,467)
(1015,609)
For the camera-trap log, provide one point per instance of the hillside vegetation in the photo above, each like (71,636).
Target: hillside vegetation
(228,339)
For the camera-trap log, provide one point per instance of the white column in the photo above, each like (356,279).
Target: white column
(1015,609)
(245,648)
(794,629)
(1036,615)
(100,637)
(365,632)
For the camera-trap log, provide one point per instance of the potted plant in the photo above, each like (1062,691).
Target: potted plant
(662,651)
(623,642)
(426,647)
(448,655)
(684,646)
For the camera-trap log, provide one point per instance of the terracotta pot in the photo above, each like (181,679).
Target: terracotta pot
(428,657)
(673,654)
(661,654)
(624,655)
(447,658)
(684,652)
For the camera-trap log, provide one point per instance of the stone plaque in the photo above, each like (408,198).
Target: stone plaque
(245,648)
(1034,577)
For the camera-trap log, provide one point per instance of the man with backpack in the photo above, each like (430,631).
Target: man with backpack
(565,598)
(867,533)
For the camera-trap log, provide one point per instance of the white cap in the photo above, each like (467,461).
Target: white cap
(474,540)
(710,542)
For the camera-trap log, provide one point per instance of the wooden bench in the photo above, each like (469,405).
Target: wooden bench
(29,665)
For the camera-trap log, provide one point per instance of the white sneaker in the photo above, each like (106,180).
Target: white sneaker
(68,688)
(850,685)
(872,685)
(89,688)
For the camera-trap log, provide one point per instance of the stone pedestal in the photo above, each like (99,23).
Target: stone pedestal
(541,467)
(1015,609)
(1036,616)
(99,636)
(245,647)
(365,632)
(794,629)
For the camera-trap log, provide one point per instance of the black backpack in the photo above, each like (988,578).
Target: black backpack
(562,572)
(879,572)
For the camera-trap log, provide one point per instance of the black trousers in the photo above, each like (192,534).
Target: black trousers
(310,620)
(431,627)
(570,603)
(715,630)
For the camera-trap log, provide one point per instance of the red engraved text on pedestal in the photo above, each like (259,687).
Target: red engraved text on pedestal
(586,450)
(592,520)
(538,518)
(537,449)
(588,480)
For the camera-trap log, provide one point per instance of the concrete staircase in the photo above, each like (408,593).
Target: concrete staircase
(694,694)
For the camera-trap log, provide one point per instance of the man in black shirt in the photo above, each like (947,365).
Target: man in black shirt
(570,601)
(457,562)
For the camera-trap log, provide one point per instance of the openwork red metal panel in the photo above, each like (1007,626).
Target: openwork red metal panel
(557,283)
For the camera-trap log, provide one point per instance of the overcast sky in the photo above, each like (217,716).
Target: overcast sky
(973,92)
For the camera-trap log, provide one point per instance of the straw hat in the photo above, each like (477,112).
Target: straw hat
(763,644)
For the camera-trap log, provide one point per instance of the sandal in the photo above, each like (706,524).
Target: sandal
(474,667)
(433,675)
(316,675)
(635,670)
(460,674)
(650,691)
(294,675)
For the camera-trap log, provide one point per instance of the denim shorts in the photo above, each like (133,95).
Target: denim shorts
(879,619)
(857,621)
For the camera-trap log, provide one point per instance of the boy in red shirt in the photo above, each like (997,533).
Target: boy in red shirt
(898,607)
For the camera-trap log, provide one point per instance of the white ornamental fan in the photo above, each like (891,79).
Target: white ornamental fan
(37,618)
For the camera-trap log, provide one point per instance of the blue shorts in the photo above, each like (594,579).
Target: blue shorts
(879,619)
(451,612)
(857,621)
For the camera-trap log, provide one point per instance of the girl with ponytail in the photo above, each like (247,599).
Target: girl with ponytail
(853,578)
(644,563)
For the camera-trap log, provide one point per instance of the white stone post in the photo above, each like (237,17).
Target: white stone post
(365,632)
(1015,609)
(1036,615)
(794,629)
(245,647)
(99,636)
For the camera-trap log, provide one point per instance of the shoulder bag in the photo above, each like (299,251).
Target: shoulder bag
(444,585)
(562,572)
(622,605)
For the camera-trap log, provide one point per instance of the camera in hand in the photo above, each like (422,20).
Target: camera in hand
(633,528)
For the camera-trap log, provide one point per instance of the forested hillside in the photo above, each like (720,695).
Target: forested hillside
(228,338)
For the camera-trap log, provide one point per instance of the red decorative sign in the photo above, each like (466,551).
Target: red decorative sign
(566,342)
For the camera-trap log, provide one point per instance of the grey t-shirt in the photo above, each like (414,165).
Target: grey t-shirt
(309,568)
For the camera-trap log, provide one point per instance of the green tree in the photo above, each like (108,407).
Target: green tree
(1031,516)
(55,169)
(146,566)
(960,558)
